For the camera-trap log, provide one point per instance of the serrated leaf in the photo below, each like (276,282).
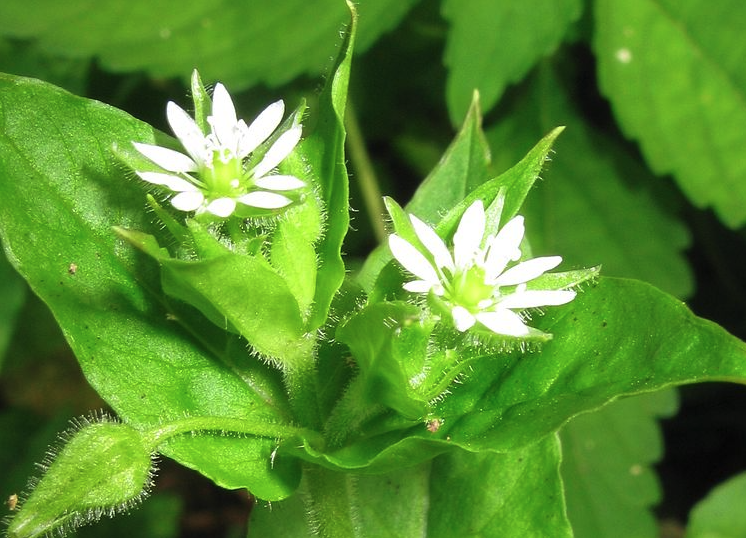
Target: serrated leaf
(586,209)
(516,494)
(61,193)
(493,44)
(720,514)
(673,73)
(238,43)
(607,456)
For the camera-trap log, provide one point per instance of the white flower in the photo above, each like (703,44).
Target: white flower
(473,279)
(213,175)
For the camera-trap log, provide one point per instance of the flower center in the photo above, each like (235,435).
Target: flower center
(469,290)
(224,176)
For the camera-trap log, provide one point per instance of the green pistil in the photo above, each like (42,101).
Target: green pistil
(226,175)
(468,288)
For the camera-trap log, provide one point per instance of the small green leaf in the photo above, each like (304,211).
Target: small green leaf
(103,469)
(493,44)
(673,72)
(606,466)
(462,168)
(720,514)
(511,495)
(324,151)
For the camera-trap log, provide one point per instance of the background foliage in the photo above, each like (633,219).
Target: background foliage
(648,179)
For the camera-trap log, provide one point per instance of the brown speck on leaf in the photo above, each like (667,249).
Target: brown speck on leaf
(12,502)
(72,268)
(434,425)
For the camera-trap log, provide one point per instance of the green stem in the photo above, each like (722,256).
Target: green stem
(364,173)
(301,384)
(329,502)
(223,425)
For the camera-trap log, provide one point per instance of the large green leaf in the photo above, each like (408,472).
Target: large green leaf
(12,297)
(588,209)
(720,514)
(60,193)
(492,44)
(673,71)
(239,43)
(510,401)
(606,458)
(515,494)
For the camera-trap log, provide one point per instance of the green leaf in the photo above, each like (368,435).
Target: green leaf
(238,43)
(720,514)
(673,73)
(510,401)
(324,151)
(587,209)
(606,467)
(462,168)
(590,362)
(61,192)
(12,297)
(516,494)
(493,44)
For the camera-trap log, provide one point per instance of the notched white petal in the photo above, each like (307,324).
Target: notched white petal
(418,286)
(222,207)
(187,131)
(223,119)
(175,183)
(528,270)
(537,298)
(279,150)
(503,321)
(168,159)
(265,200)
(433,243)
(280,183)
(468,236)
(188,201)
(412,259)
(462,318)
(262,127)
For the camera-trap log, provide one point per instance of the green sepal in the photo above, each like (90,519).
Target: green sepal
(104,468)
(201,101)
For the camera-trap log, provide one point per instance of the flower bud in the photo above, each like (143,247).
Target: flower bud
(102,469)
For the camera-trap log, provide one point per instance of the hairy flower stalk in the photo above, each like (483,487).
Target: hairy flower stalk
(218,173)
(472,281)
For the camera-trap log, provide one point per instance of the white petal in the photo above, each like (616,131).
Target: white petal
(187,131)
(261,128)
(504,247)
(468,236)
(412,259)
(279,183)
(535,298)
(433,243)
(279,150)
(265,200)
(528,270)
(175,183)
(222,207)
(223,119)
(168,159)
(418,286)
(503,321)
(462,318)
(188,201)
